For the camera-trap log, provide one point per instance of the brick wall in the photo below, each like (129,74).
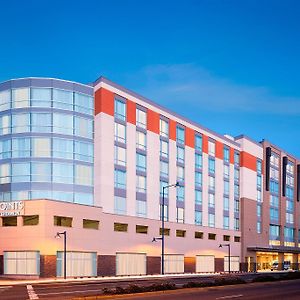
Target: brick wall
(106,265)
(153,265)
(219,264)
(189,264)
(48,266)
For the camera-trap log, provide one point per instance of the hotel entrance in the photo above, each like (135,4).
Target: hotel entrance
(266,261)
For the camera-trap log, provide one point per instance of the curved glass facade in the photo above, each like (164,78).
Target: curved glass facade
(46,140)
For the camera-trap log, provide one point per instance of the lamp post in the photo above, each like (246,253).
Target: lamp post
(162,238)
(58,236)
(227,245)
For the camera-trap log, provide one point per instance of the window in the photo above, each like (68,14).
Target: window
(41,172)
(83,175)
(258,166)
(41,147)
(141,229)
(141,184)
(198,197)
(198,142)
(211,236)
(166,212)
(274,214)
(211,220)
(211,165)
(63,123)
(198,217)
(164,128)
(162,185)
(141,140)
(211,200)
(90,224)
(180,193)
(198,235)
(236,206)
(236,158)
(226,154)
(211,183)
(5,149)
(225,203)
(120,133)
(63,173)
(258,210)
(237,239)
(258,227)
(225,222)
(236,175)
(120,205)
(198,179)
(274,232)
(9,221)
(226,188)
(84,103)
(236,191)
(236,224)
(258,181)
(5,124)
(84,151)
(180,173)
(141,118)
(121,227)
(120,156)
(226,238)
(83,127)
(63,221)
(180,135)
(274,201)
(226,172)
(62,99)
(41,122)
(120,179)
(179,215)
(5,100)
(289,218)
(180,233)
(20,97)
(141,162)
(166,231)
(164,149)
(180,154)
(164,169)
(211,148)
(4,173)
(141,208)
(20,123)
(120,110)
(198,161)
(20,172)
(63,148)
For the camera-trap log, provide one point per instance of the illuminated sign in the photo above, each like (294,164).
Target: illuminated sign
(8,209)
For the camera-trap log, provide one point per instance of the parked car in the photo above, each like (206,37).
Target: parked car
(286,265)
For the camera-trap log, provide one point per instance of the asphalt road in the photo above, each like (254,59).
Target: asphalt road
(53,291)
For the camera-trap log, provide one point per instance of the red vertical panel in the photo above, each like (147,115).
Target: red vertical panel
(152,121)
(131,112)
(189,137)
(219,150)
(231,155)
(172,130)
(248,161)
(205,143)
(104,101)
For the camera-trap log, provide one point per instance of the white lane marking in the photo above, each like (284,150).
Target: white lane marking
(31,293)
(230,297)
(5,287)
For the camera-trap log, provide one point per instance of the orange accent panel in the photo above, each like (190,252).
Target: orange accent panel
(248,161)
(131,112)
(152,121)
(189,137)
(205,143)
(231,155)
(219,150)
(104,102)
(172,130)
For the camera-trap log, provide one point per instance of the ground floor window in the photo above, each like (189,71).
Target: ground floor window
(131,263)
(234,264)
(174,263)
(79,264)
(21,262)
(205,264)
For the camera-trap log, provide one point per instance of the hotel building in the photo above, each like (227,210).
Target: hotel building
(91,161)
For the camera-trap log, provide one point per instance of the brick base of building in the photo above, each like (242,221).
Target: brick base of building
(48,266)
(153,265)
(189,264)
(219,264)
(106,265)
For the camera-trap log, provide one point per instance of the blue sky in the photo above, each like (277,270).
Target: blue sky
(230,65)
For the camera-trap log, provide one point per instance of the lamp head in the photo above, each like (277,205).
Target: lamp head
(177,184)
(154,240)
(57,236)
(220,246)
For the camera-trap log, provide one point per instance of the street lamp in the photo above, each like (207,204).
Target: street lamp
(162,238)
(227,245)
(58,236)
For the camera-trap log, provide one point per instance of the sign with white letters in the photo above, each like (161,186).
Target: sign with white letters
(8,209)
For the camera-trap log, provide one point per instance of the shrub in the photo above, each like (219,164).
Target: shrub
(264,278)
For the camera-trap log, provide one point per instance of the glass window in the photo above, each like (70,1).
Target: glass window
(4,173)
(120,110)
(20,172)
(211,183)
(63,148)
(226,188)
(180,154)
(9,221)
(236,158)
(180,193)
(141,184)
(211,148)
(198,179)
(84,198)
(211,165)
(211,220)
(120,133)
(5,149)
(83,175)
(5,125)
(211,200)
(226,154)
(164,169)
(41,97)
(141,118)
(141,140)
(198,217)
(259,166)
(166,216)
(180,173)
(120,179)
(41,147)
(198,161)
(5,100)
(120,156)
(225,203)
(236,174)
(90,224)
(120,205)
(258,181)
(258,227)
(164,149)
(62,99)
(198,197)
(20,123)
(83,151)
(83,127)
(274,214)
(141,162)
(63,173)
(41,122)
(180,135)
(20,98)
(63,123)
(162,185)
(258,210)
(63,221)
(141,229)
(20,195)
(179,215)
(141,208)
(41,171)
(120,227)
(198,142)
(164,128)
(30,220)
(226,171)
(225,222)
(236,191)
(84,103)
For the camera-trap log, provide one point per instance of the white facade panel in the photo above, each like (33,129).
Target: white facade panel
(205,189)
(172,180)
(189,201)
(219,191)
(234,264)
(174,263)
(130,264)
(205,264)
